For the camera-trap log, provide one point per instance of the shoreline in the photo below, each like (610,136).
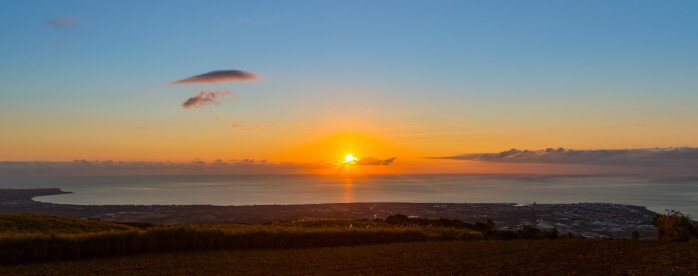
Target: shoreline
(591,220)
(515,204)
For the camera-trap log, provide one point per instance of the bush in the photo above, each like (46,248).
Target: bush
(402,220)
(526,233)
(675,226)
(502,235)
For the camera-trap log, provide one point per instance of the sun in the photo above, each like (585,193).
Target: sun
(349,158)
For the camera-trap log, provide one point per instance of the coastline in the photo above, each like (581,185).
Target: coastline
(591,220)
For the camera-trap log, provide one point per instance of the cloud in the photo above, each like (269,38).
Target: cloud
(206,98)
(109,167)
(370,161)
(219,76)
(657,157)
(63,22)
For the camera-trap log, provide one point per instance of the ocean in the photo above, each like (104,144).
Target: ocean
(657,193)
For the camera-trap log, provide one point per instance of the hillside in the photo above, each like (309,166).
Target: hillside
(40,224)
(397,245)
(441,258)
(31,238)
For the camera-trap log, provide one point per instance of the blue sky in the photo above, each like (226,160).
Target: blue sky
(463,68)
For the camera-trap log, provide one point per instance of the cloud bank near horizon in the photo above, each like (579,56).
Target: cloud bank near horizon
(218,76)
(684,157)
(366,161)
(108,167)
(370,161)
(206,98)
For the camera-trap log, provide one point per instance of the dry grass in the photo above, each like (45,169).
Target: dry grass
(675,226)
(30,246)
(542,257)
(315,246)
(40,224)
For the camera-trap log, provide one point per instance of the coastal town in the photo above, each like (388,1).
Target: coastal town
(589,220)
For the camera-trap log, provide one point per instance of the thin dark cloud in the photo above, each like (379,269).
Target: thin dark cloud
(206,98)
(68,22)
(219,76)
(370,161)
(657,157)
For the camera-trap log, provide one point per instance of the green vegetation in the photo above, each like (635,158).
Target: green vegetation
(39,224)
(675,226)
(481,257)
(486,228)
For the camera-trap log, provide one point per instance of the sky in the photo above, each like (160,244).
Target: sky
(307,82)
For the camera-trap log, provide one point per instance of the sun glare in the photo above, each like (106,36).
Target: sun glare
(349,158)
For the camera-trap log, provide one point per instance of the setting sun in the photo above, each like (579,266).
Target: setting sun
(349,158)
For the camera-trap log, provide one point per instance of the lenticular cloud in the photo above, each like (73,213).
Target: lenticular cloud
(218,76)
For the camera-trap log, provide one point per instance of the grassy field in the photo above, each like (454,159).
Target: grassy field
(39,224)
(397,245)
(541,257)
(42,238)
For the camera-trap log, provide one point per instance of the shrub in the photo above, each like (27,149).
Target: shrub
(528,233)
(502,235)
(674,226)
(398,219)
(402,220)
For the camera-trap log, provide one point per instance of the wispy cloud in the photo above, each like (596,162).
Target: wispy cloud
(68,22)
(370,161)
(219,76)
(657,157)
(206,98)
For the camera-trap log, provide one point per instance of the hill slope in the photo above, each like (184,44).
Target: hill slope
(36,224)
(445,257)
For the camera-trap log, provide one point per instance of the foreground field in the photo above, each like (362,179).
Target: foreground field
(445,257)
(396,245)
(32,238)
(37,224)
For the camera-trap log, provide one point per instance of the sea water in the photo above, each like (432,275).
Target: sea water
(657,193)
